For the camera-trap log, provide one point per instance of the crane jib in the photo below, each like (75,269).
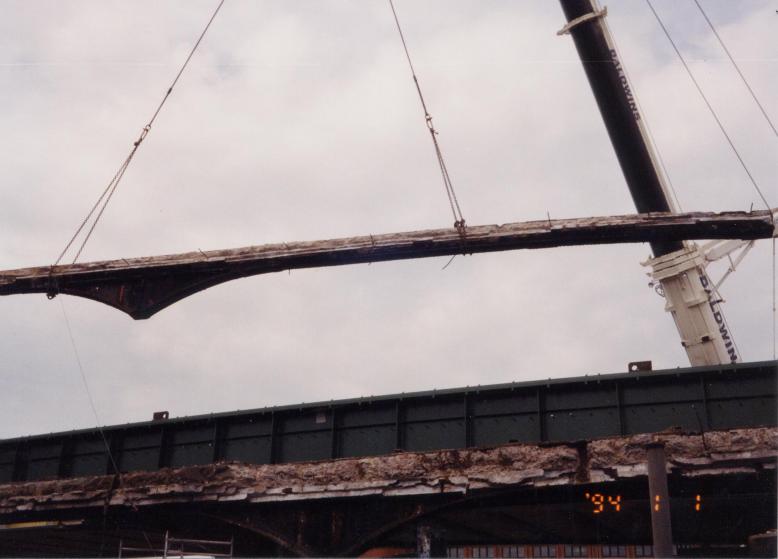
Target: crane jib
(618,107)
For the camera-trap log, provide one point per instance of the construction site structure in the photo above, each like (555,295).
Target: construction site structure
(643,463)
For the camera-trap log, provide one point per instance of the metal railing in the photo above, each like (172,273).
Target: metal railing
(180,547)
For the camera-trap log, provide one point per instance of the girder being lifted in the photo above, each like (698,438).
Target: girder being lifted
(143,286)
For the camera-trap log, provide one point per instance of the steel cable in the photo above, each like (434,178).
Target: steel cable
(731,59)
(105,197)
(459,220)
(710,107)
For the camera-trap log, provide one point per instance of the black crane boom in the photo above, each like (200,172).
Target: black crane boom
(619,110)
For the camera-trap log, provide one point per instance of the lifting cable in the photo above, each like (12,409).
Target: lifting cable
(710,107)
(459,219)
(731,59)
(101,203)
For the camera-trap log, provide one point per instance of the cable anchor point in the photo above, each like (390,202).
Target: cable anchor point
(52,289)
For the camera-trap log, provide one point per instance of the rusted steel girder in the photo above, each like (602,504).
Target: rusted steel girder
(343,507)
(143,286)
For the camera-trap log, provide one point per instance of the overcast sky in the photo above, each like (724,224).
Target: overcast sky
(298,120)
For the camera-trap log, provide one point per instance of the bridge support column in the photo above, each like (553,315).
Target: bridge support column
(659,500)
(428,542)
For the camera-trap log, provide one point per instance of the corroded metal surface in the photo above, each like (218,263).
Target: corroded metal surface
(403,474)
(143,286)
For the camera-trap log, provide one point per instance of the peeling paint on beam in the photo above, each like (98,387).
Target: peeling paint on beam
(142,287)
(404,474)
